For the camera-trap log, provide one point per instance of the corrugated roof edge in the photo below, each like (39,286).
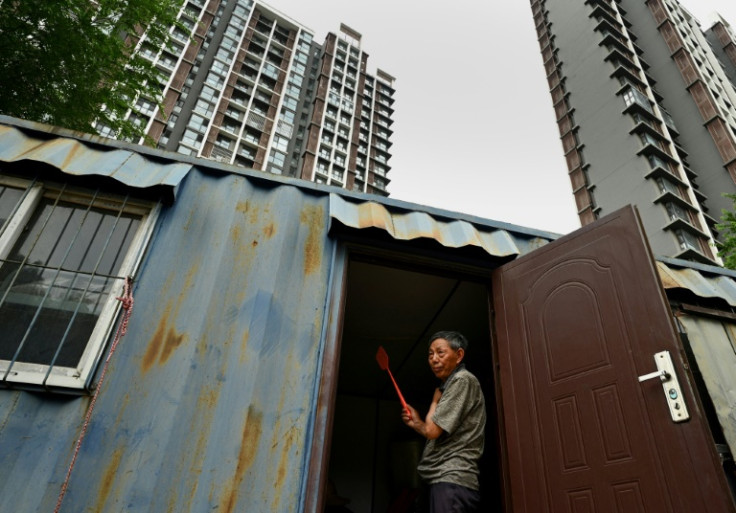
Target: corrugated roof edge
(710,269)
(268,179)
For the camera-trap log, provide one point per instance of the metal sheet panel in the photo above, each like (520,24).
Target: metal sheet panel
(713,343)
(210,397)
(403,224)
(83,157)
(710,282)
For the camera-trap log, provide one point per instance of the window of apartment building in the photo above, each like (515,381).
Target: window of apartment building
(688,241)
(649,139)
(64,255)
(666,186)
(276,162)
(192,138)
(287,116)
(280,143)
(296,80)
(337,174)
(145,106)
(290,103)
(676,212)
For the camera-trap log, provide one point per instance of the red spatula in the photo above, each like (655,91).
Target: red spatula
(382,359)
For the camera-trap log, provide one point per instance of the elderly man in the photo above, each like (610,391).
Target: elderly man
(454,428)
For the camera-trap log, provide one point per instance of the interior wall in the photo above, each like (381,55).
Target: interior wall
(374,456)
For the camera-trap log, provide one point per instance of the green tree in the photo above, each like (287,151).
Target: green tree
(727,245)
(72,62)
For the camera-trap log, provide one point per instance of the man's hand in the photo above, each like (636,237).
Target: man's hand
(427,428)
(410,417)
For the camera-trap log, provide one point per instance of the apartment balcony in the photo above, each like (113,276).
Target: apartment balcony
(256,121)
(221,154)
(684,225)
(645,125)
(669,121)
(636,101)
(231,129)
(653,147)
(673,195)
(604,10)
(606,24)
(662,169)
(619,43)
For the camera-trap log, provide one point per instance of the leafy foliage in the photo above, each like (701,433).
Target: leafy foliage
(727,245)
(71,62)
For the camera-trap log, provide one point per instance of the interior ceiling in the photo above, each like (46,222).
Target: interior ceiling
(399,309)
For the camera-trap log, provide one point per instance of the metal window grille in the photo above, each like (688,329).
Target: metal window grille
(62,259)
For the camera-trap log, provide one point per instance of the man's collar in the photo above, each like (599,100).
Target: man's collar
(459,367)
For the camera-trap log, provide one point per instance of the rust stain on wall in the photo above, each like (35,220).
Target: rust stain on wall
(235,233)
(244,347)
(201,427)
(153,347)
(165,340)
(108,479)
(283,467)
(171,342)
(313,217)
(269,230)
(246,456)
(242,207)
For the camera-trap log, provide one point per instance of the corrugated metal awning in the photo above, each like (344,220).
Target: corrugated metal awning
(87,155)
(404,224)
(133,165)
(703,281)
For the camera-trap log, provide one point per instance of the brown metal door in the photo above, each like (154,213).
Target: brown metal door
(577,322)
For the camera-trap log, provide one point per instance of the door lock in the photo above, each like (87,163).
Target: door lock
(671,386)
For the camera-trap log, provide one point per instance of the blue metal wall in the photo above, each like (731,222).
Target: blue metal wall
(209,398)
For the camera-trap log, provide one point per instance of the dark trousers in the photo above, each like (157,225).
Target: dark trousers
(452,498)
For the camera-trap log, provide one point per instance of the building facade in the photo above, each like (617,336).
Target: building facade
(644,100)
(250,86)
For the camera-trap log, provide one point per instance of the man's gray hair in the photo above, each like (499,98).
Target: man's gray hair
(456,339)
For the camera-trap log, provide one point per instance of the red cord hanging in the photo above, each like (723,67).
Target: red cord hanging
(127,302)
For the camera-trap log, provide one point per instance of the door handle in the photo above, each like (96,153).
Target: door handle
(671,386)
(663,375)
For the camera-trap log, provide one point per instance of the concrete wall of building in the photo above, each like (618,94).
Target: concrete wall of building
(616,172)
(713,179)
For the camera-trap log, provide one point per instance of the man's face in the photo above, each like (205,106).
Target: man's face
(443,359)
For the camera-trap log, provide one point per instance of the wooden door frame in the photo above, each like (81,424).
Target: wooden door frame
(398,254)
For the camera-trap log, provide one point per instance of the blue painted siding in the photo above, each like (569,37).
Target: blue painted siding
(208,398)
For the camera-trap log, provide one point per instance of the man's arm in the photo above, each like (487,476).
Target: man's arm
(427,428)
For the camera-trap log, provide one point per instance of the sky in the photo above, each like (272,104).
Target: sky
(474,128)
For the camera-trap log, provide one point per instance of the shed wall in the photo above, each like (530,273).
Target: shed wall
(209,399)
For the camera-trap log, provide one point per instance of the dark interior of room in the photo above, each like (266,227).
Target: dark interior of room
(373,455)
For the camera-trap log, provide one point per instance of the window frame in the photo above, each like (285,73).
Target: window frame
(19,373)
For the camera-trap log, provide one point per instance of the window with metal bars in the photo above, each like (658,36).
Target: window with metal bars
(64,255)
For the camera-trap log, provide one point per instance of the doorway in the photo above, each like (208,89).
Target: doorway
(373,455)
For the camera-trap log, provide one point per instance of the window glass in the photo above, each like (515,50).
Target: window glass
(56,279)
(9,198)
(280,143)
(61,265)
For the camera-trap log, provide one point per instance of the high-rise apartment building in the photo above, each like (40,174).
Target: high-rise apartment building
(249,86)
(645,104)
